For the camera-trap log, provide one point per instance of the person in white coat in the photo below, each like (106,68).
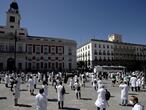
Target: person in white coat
(99,83)
(77,86)
(143,81)
(60,95)
(95,85)
(35,81)
(41,100)
(31,85)
(138,84)
(7,80)
(133,83)
(135,104)
(16,93)
(101,101)
(45,87)
(19,81)
(71,83)
(124,93)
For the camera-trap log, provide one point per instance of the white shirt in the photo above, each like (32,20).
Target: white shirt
(45,87)
(41,102)
(138,107)
(59,93)
(101,101)
(31,84)
(7,79)
(142,80)
(124,91)
(138,82)
(133,81)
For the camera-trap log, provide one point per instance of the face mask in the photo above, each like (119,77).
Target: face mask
(131,102)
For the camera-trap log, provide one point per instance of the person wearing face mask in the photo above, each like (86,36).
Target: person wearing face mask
(134,101)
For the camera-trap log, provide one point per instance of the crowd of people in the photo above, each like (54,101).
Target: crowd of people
(134,80)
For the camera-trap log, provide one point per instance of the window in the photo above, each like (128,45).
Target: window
(12,27)
(104,53)
(107,46)
(20,49)
(1,65)
(1,47)
(45,50)
(103,46)
(95,52)
(29,49)
(95,45)
(56,64)
(49,58)
(42,65)
(99,46)
(12,19)
(38,49)
(20,66)
(11,48)
(29,65)
(100,52)
(69,51)
(38,65)
(95,58)
(45,65)
(21,34)
(49,65)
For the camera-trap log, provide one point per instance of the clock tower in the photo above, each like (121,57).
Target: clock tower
(13,16)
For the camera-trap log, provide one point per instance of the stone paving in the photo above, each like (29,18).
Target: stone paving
(89,96)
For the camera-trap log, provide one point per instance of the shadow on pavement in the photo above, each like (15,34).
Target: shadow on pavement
(132,94)
(23,90)
(86,98)
(3,98)
(143,90)
(70,108)
(24,105)
(52,100)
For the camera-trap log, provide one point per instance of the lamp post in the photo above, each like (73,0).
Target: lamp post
(15,51)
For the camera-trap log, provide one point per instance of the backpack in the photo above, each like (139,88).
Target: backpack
(63,90)
(107,95)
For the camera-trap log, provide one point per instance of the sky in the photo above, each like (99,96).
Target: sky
(82,20)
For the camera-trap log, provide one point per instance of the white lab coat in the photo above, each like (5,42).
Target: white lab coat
(7,79)
(133,81)
(19,82)
(71,82)
(35,79)
(101,101)
(138,82)
(142,81)
(39,76)
(124,91)
(59,93)
(138,107)
(45,87)
(41,102)
(31,84)
(17,91)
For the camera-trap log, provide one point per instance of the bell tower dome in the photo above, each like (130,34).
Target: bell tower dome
(13,16)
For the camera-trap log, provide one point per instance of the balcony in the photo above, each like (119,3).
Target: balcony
(12,51)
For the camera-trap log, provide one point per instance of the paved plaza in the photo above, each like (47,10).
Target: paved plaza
(27,102)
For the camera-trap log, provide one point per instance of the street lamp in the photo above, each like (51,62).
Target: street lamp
(15,51)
